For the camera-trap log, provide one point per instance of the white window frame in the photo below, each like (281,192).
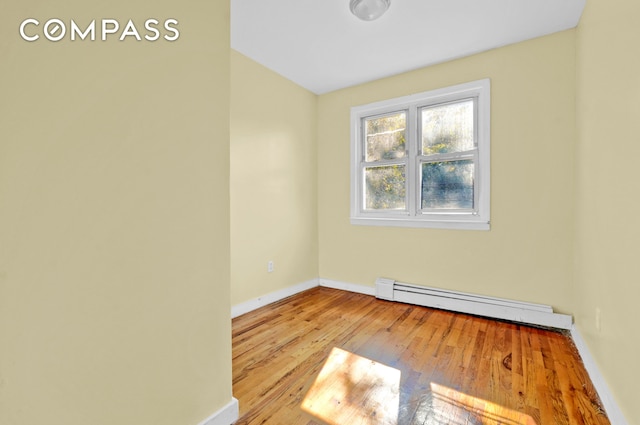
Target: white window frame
(413,216)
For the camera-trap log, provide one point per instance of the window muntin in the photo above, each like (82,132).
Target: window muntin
(423,160)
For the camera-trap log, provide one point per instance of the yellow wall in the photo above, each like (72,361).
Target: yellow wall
(608,232)
(273,181)
(527,253)
(114,211)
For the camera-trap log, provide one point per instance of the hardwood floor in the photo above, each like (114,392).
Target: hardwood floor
(453,368)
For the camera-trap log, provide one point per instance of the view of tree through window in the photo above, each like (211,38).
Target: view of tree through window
(385,139)
(447,185)
(385,188)
(447,129)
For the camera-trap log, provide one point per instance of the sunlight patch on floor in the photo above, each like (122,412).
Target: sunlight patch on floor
(352,389)
(449,406)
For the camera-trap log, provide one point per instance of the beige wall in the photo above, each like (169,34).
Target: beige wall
(115,249)
(527,253)
(608,232)
(273,181)
(114,211)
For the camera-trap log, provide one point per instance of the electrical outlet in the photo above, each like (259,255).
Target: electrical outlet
(598,319)
(270,266)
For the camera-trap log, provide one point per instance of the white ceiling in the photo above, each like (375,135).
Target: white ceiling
(321,46)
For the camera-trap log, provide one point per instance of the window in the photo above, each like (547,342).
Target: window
(423,160)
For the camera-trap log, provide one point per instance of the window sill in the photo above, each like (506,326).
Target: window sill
(422,223)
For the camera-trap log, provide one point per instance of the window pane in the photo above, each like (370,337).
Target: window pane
(447,128)
(385,188)
(448,184)
(385,137)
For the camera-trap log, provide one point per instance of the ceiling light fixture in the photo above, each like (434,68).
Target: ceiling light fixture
(369,10)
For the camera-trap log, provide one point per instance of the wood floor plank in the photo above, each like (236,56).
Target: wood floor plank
(454,368)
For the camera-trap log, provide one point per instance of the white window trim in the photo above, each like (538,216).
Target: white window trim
(480,220)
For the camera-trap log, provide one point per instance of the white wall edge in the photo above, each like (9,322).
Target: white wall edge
(606,397)
(346,286)
(225,416)
(256,303)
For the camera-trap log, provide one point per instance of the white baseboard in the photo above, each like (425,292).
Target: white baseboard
(256,303)
(346,286)
(225,416)
(606,397)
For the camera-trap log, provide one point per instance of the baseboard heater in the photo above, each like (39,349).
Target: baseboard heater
(497,308)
